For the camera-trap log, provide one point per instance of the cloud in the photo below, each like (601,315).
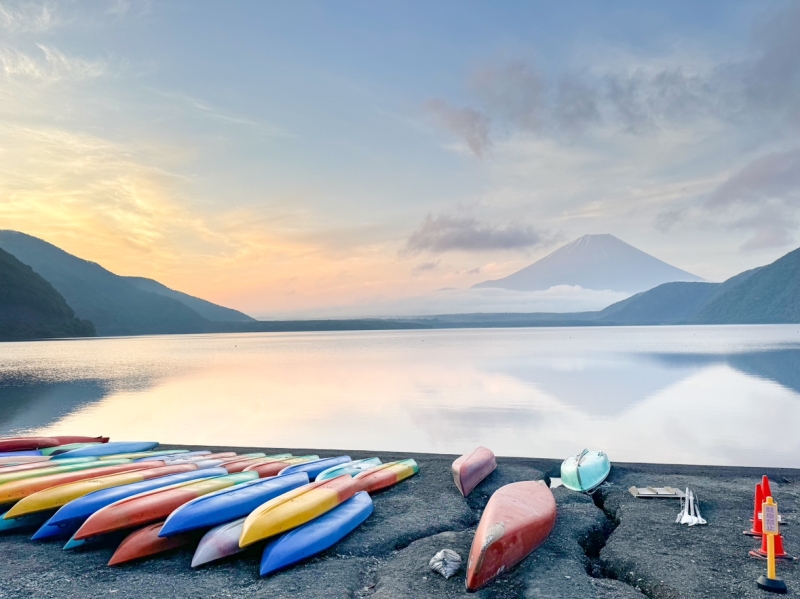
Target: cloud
(466,123)
(54,66)
(513,92)
(424,267)
(27,17)
(443,233)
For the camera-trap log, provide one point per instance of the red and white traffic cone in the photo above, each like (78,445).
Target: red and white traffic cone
(779,552)
(756,528)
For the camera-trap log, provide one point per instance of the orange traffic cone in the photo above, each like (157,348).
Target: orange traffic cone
(765,490)
(755,529)
(779,552)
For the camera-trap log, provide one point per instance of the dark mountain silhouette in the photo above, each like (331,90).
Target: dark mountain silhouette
(30,308)
(115,305)
(204,308)
(769,294)
(594,262)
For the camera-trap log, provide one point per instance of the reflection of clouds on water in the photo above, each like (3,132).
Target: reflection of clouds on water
(683,394)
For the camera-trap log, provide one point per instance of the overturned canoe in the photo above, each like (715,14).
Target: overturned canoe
(317,535)
(153,506)
(295,508)
(351,468)
(164,454)
(219,542)
(146,542)
(67,520)
(43,464)
(272,467)
(189,456)
(64,439)
(471,468)
(517,519)
(314,467)
(229,504)
(385,476)
(109,448)
(53,468)
(59,496)
(585,471)
(9,444)
(14,460)
(15,490)
(52,451)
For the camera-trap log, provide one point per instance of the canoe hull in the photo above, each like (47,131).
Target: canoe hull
(219,542)
(295,508)
(385,476)
(147,508)
(516,521)
(146,542)
(58,496)
(229,504)
(352,468)
(317,535)
(470,469)
(67,520)
(26,443)
(586,471)
(315,467)
(273,467)
(109,448)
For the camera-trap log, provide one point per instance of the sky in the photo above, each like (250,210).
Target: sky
(358,158)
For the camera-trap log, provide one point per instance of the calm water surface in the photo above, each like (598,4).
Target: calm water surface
(706,395)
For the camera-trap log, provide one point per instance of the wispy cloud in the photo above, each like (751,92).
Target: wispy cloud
(51,67)
(444,233)
(27,16)
(470,125)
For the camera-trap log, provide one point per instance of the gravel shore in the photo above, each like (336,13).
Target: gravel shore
(608,546)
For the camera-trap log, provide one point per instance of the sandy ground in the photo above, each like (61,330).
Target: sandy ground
(606,546)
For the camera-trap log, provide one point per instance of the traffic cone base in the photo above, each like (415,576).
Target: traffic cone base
(756,528)
(761,552)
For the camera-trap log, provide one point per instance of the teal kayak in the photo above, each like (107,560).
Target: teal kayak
(586,471)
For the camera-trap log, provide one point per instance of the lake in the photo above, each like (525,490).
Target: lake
(695,395)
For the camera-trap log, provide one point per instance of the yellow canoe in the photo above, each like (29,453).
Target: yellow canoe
(60,495)
(295,508)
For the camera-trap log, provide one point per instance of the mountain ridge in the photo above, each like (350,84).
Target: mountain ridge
(598,262)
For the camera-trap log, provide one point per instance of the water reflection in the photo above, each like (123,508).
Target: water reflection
(663,394)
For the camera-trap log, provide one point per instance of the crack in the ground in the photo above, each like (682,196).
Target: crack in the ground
(596,539)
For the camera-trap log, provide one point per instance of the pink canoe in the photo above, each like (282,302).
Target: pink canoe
(516,521)
(471,468)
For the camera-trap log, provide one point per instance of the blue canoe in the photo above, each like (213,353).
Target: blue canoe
(181,456)
(315,467)
(14,454)
(586,471)
(351,468)
(317,535)
(69,518)
(108,449)
(229,504)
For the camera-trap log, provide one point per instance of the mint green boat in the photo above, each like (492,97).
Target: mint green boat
(586,471)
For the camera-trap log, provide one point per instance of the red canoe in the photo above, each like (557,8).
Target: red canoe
(26,443)
(152,506)
(517,520)
(145,542)
(67,439)
(471,468)
(266,468)
(16,490)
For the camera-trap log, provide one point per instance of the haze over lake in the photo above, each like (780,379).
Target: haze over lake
(703,395)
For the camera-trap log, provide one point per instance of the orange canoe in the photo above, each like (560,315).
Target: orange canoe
(385,476)
(516,521)
(471,468)
(145,542)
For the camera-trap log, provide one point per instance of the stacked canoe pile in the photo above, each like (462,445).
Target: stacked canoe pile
(86,489)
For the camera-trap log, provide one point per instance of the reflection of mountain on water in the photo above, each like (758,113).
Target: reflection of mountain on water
(27,405)
(603,386)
